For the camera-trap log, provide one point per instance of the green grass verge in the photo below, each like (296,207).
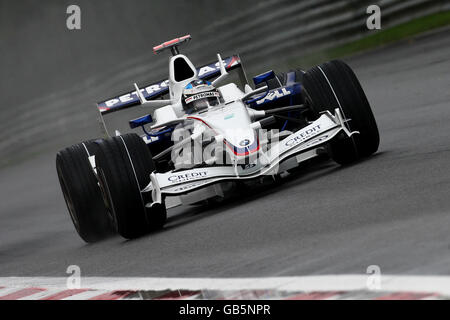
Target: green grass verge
(382,37)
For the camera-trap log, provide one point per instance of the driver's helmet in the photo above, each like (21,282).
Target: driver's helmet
(199,95)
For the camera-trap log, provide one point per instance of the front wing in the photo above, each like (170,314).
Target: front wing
(310,137)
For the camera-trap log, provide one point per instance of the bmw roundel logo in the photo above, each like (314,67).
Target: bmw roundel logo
(244,143)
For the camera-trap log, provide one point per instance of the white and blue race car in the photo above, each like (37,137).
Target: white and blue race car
(204,133)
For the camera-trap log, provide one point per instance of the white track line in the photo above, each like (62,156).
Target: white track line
(390,283)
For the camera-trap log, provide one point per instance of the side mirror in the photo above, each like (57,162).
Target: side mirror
(264,77)
(142,121)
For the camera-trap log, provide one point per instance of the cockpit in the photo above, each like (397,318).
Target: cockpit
(199,95)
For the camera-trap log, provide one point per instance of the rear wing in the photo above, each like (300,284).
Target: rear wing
(158,89)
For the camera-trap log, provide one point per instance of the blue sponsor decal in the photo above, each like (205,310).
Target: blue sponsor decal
(276,94)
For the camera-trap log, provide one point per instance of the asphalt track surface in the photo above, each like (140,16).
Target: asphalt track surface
(391,210)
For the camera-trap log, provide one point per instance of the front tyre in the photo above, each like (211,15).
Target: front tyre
(82,193)
(124,167)
(334,85)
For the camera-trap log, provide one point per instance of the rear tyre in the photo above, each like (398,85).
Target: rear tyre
(334,85)
(82,193)
(124,166)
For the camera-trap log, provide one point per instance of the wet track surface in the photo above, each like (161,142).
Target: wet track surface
(392,210)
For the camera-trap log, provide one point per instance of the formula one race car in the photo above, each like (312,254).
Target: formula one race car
(203,133)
